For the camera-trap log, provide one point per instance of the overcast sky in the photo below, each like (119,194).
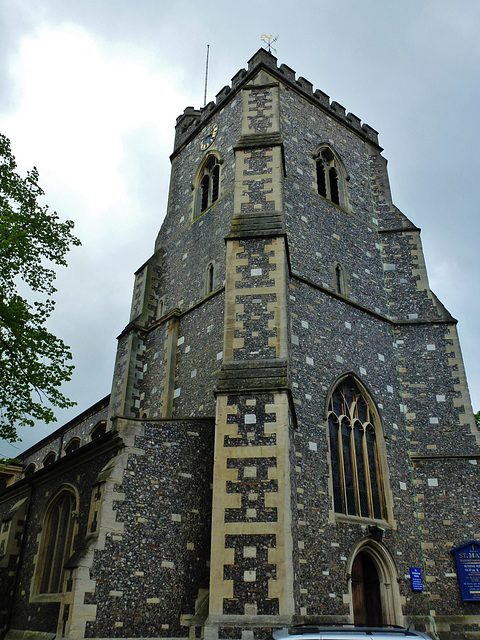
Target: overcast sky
(89,93)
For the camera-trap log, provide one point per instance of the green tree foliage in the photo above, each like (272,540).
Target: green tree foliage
(477,418)
(33,362)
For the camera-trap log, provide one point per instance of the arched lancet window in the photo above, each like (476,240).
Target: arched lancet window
(339,277)
(72,445)
(49,459)
(98,430)
(208,184)
(330,177)
(31,468)
(56,543)
(356,470)
(160,307)
(209,278)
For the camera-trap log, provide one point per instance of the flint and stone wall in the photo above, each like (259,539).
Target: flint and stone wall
(215,511)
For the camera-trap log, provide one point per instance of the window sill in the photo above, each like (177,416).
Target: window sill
(47,597)
(343,518)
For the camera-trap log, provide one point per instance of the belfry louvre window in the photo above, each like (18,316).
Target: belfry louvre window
(328,176)
(357,478)
(208,185)
(56,545)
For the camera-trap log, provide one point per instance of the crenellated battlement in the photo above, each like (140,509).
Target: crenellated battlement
(192,119)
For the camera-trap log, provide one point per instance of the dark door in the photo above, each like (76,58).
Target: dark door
(367,604)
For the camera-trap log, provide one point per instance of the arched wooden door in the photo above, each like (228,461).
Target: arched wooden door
(366,597)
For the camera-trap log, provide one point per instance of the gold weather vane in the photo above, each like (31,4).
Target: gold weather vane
(268,41)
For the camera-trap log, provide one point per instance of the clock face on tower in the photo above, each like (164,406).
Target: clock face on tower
(209,136)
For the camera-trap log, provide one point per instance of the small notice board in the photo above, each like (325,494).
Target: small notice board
(467,557)
(416,579)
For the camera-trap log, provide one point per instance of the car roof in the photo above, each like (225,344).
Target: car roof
(346,632)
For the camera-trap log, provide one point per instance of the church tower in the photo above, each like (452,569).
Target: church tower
(291,301)
(291,434)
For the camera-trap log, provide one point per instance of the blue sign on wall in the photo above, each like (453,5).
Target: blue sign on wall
(416,579)
(467,557)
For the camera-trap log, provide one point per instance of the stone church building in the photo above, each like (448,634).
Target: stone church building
(289,437)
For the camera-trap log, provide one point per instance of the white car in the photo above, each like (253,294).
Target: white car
(348,632)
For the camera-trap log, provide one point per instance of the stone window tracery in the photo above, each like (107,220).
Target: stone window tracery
(356,470)
(208,188)
(56,543)
(330,176)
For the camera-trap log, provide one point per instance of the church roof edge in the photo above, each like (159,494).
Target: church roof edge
(83,415)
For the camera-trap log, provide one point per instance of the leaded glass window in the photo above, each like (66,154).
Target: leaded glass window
(57,537)
(356,471)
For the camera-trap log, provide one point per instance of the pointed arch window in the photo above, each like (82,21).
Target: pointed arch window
(208,184)
(356,470)
(56,544)
(209,278)
(72,446)
(98,430)
(160,307)
(49,459)
(30,469)
(330,177)
(339,277)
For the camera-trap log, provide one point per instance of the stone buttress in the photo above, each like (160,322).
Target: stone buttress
(251,579)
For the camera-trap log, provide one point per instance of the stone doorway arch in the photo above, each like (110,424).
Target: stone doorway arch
(374,593)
